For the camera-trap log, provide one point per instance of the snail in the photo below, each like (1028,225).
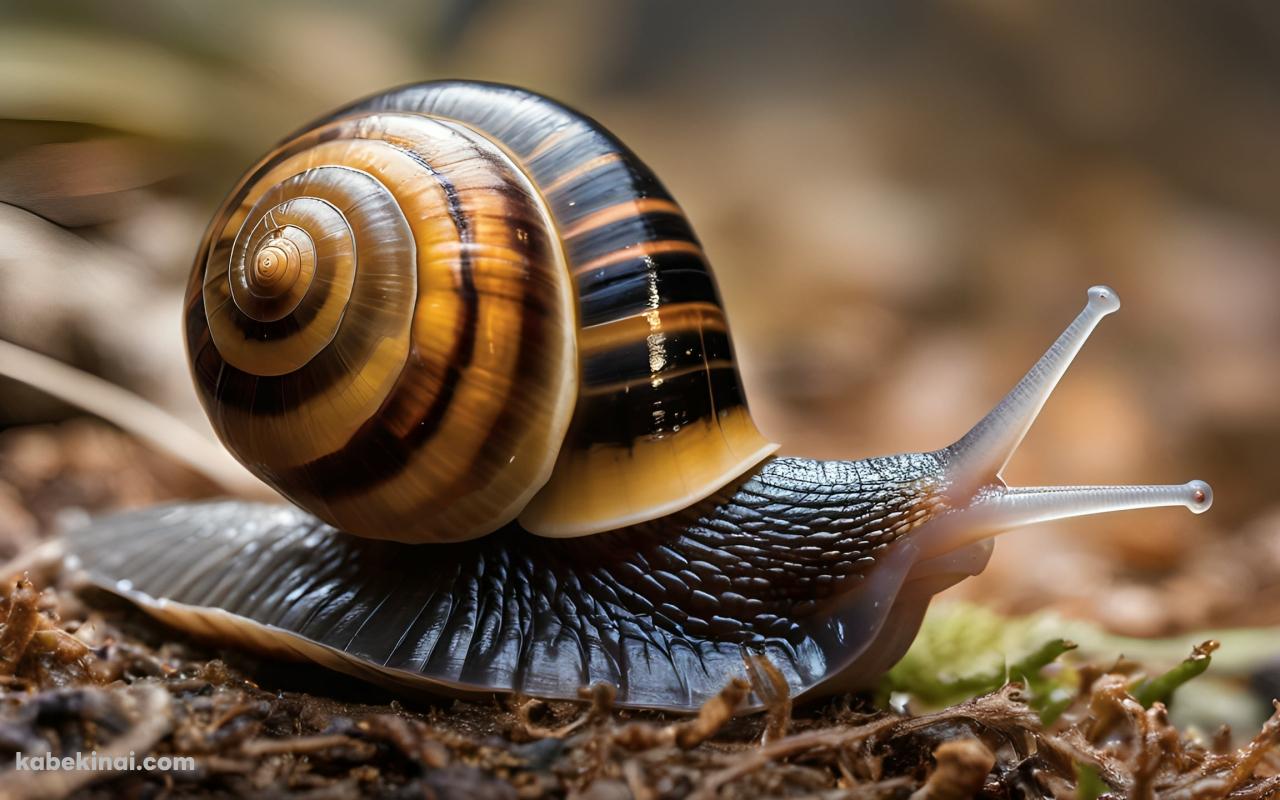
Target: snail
(473,336)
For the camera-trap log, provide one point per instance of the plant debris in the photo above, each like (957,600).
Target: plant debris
(1160,689)
(78,679)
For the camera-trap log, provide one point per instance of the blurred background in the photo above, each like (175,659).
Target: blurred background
(903,209)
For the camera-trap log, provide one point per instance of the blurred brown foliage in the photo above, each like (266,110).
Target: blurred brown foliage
(904,208)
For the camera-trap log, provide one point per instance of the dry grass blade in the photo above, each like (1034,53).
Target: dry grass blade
(296,745)
(1267,740)
(771,687)
(601,696)
(824,739)
(687,733)
(129,412)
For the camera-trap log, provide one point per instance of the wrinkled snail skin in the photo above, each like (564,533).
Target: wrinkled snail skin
(662,610)
(468,326)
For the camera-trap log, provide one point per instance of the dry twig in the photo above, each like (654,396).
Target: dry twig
(962,769)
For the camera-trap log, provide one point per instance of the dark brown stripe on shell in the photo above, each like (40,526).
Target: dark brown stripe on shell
(659,227)
(647,411)
(651,358)
(375,454)
(630,287)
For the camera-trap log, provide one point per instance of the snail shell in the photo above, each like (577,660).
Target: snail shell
(457,303)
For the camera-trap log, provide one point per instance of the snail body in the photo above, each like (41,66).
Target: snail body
(474,337)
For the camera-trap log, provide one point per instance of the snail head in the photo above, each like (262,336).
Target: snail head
(966,503)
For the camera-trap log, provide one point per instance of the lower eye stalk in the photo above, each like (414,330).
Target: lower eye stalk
(1023,505)
(996,509)
(1011,507)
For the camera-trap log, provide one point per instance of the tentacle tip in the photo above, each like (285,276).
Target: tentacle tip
(1104,299)
(1199,497)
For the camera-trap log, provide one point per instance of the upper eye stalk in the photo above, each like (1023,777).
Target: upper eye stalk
(984,505)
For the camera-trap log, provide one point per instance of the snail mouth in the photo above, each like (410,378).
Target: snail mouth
(983,505)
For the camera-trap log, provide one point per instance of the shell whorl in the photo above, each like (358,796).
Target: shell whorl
(455,302)
(389,344)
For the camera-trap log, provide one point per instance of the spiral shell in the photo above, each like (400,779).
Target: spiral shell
(456,303)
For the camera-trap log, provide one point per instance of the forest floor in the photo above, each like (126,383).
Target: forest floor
(82,672)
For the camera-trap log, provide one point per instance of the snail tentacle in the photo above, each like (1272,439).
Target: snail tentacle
(983,452)
(997,509)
